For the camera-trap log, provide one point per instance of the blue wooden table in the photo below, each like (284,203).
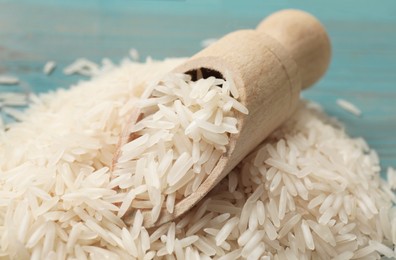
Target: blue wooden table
(363,35)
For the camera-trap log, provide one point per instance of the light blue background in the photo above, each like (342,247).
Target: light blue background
(363,35)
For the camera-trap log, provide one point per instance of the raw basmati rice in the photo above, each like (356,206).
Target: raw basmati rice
(13,99)
(58,198)
(8,80)
(49,67)
(391,177)
(83,67)
(348,106)
(14,113)
(134,54)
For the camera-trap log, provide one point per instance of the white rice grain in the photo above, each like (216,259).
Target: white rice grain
(348,106)
(134,54)
(382,249)
(170,239)
(83,67)
(307,235)
(49,67)
(226,230)
(8,80)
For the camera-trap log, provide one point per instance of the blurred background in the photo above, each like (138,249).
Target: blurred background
(363,35)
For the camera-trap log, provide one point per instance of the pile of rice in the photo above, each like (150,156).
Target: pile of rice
(309,191)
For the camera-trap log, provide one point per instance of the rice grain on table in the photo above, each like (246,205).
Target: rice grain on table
(349,107)
(309,185)
(8,80)
(134,54)
(49,67)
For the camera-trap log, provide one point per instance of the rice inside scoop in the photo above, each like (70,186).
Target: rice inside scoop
(184,129)
(308,192)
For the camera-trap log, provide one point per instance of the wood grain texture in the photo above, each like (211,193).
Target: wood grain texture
(363,35)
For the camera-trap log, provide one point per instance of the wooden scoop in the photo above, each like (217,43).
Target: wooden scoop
(289,51)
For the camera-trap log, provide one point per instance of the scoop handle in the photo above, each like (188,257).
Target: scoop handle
(305,39)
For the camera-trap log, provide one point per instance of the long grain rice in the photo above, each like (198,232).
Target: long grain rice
(8,80)
(309,186)
(49,67)
(348,106)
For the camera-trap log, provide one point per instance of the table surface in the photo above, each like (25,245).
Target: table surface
(363,35)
